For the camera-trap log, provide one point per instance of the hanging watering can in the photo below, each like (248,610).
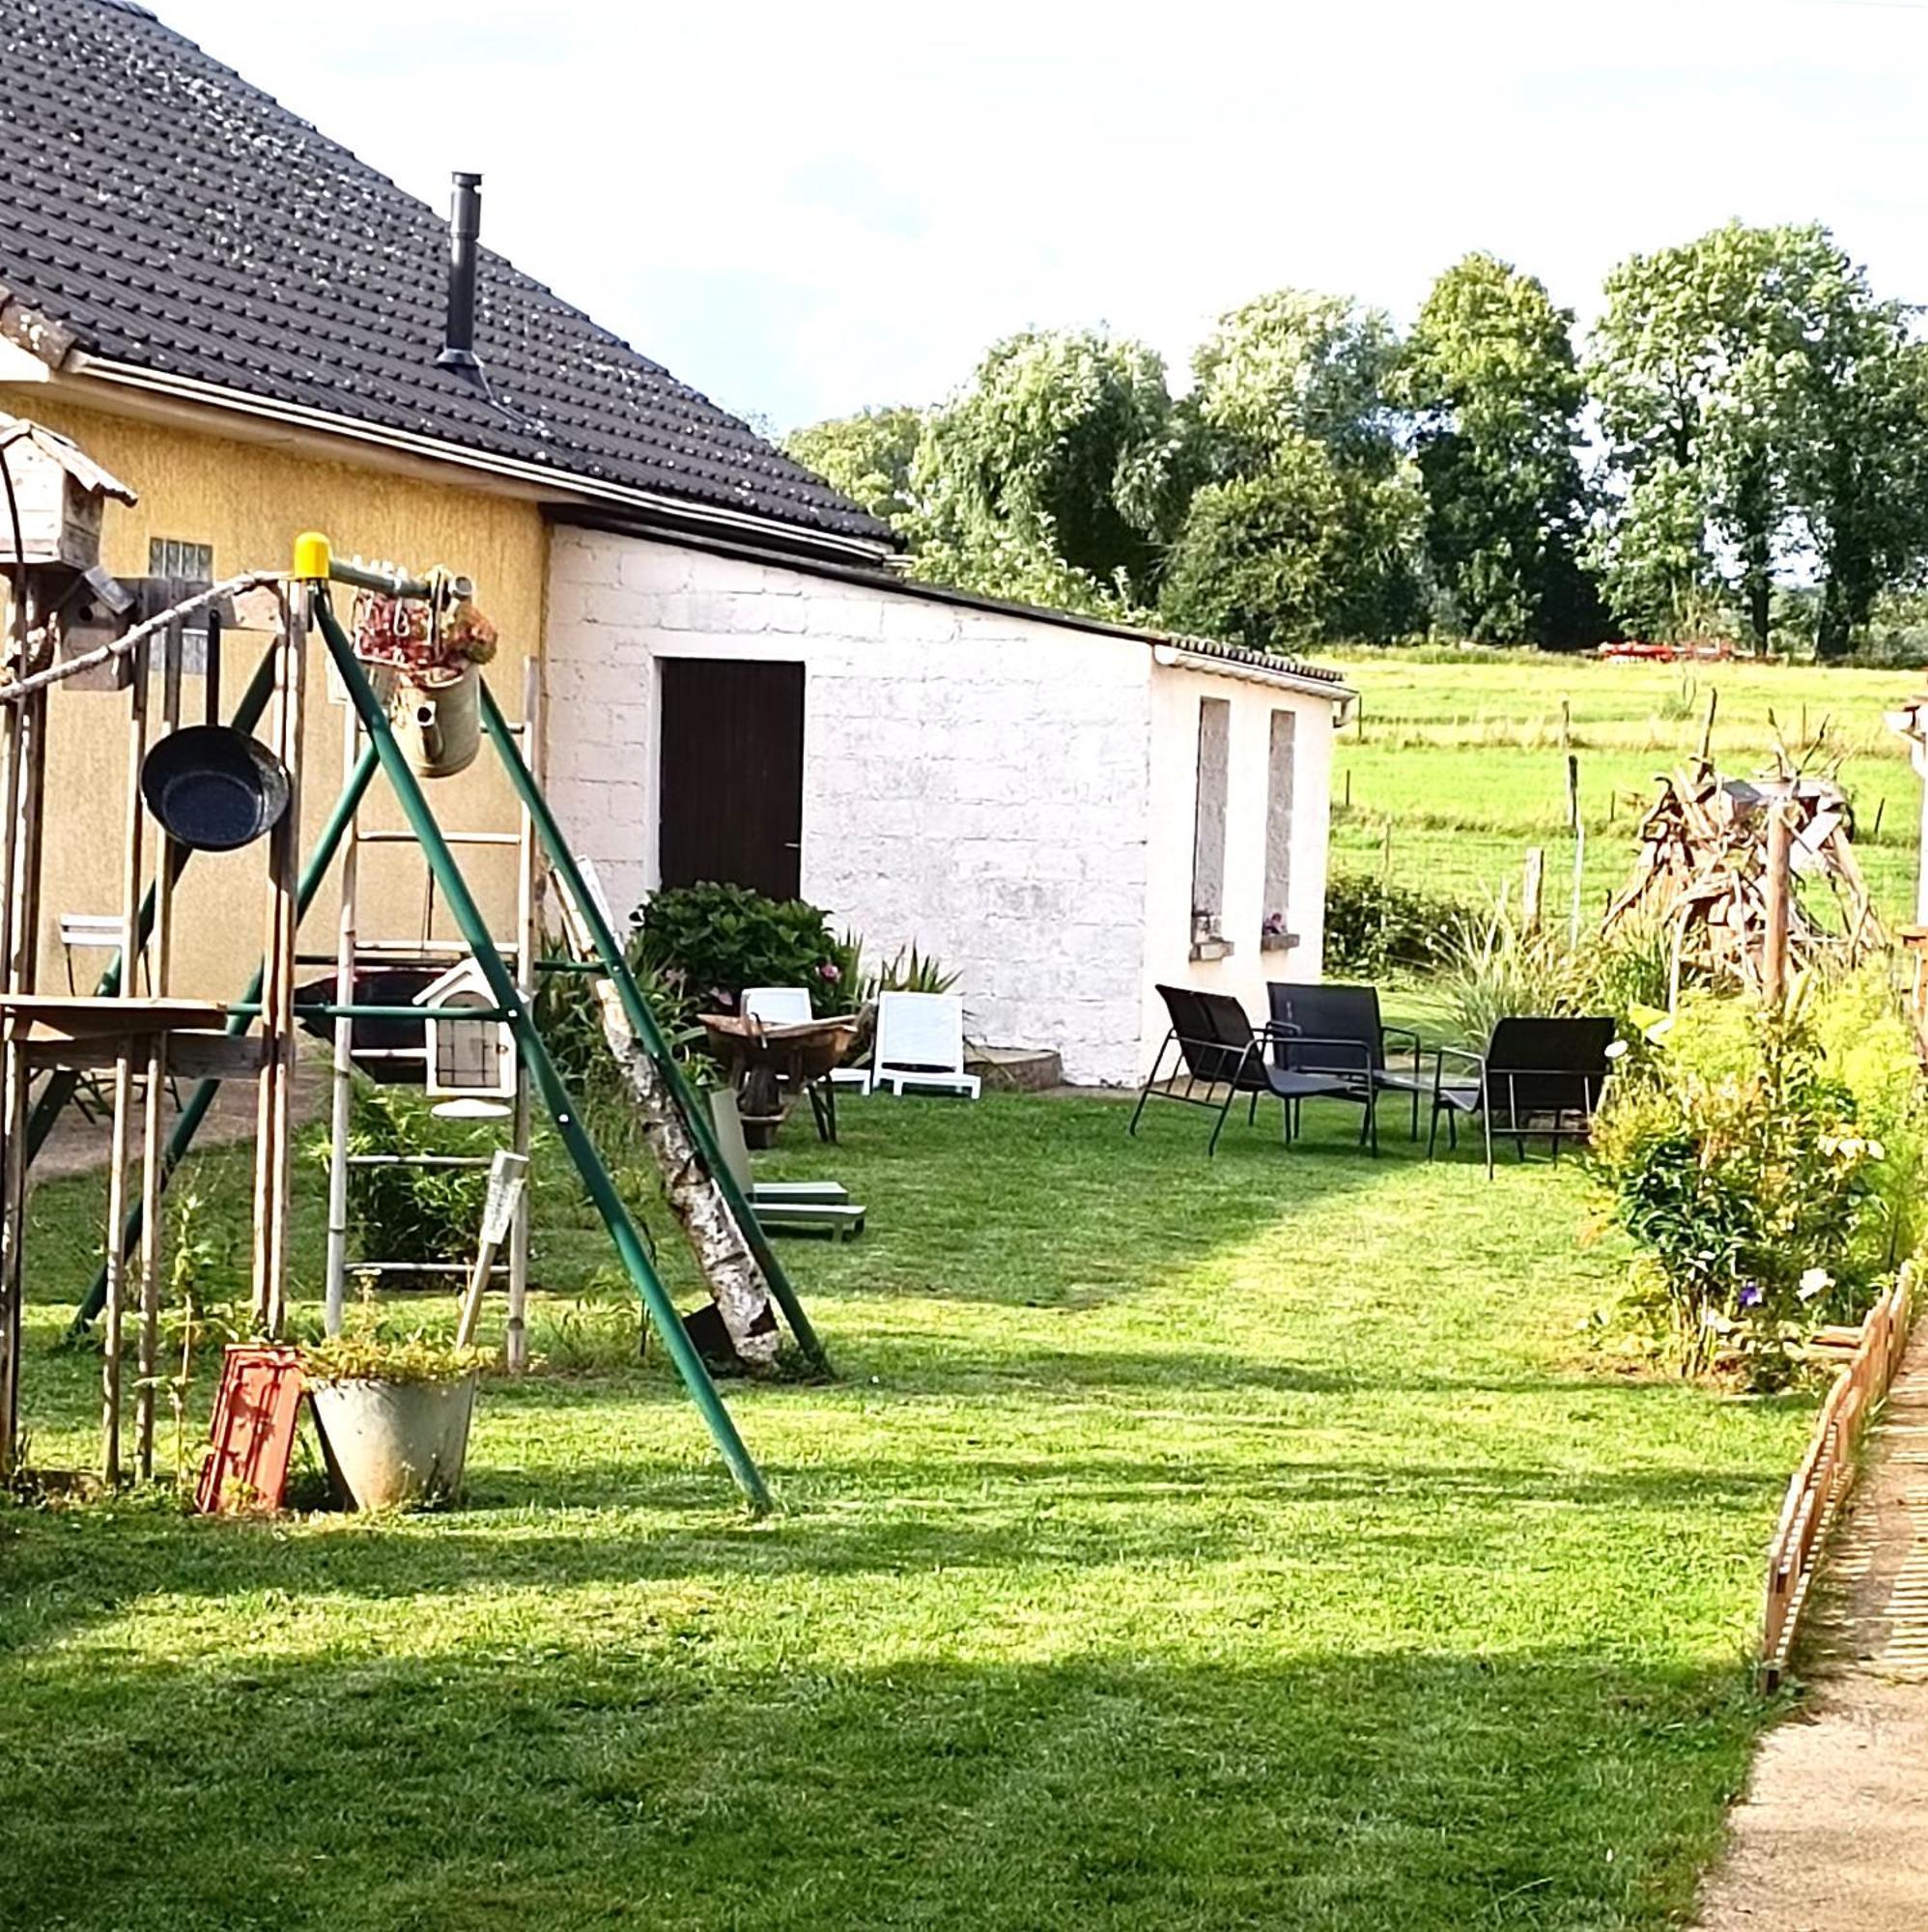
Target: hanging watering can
(213,787)
(442,719)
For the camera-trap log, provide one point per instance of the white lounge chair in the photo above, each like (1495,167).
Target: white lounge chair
(921,1043)
(782,1205)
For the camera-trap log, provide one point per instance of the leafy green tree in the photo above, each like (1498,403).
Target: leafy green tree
(1490,378)
(869,457)
(1308,530)
(1304,552)
(1858,466)
(1295,365)
(1064,454)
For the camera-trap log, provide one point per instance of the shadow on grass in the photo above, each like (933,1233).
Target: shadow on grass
(632,1525)
(648,1775)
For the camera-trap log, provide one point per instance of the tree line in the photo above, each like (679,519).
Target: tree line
(1743,449)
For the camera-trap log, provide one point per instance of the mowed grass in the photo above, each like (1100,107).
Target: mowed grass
(1184,1544)
(1468,763)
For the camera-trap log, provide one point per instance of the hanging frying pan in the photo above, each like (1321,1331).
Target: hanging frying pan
(213,787)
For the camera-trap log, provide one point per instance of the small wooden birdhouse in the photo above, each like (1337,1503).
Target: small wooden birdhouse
(60,494)
(476,1056)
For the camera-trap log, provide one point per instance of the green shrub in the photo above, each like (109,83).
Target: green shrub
(1768,1164)
(1372,925)
(710,942)
(399,1213)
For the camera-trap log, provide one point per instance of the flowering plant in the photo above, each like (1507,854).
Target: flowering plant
(1736,1155)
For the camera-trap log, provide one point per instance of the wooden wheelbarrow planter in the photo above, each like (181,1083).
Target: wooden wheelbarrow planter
(767,1067)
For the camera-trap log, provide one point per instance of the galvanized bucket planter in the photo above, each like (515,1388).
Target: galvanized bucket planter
(441,720)
(389,1445)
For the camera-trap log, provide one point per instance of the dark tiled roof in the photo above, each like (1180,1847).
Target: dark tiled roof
(172,217)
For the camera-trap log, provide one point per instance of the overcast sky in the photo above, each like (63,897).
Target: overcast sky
(802,210)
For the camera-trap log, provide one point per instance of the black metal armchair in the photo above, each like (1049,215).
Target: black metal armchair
(1537,1076)
(1351,1013)
(1222,1055)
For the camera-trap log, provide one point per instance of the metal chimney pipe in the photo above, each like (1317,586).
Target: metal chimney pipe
(464,223)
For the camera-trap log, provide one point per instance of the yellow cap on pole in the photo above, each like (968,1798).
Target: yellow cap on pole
(313,557)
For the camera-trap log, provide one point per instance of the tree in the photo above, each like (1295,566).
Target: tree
(1489,375)
(1064,451)
(869,457)
(1858,466)
(1754,374)
(1294,365)
(1308,531)
(1304,552)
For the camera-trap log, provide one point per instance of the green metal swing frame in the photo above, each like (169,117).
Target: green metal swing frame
(384,753)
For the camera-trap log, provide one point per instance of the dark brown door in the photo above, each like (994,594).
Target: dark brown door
(732,784)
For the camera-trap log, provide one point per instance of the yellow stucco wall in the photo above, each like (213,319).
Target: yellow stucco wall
(249,500)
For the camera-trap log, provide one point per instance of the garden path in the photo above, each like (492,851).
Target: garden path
(1833,1833)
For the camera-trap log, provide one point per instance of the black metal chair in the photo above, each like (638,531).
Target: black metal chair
(1537,1076)
(1223,1055)
(1352,1014)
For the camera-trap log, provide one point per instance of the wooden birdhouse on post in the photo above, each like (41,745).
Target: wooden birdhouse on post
(476,1058)
(59,493)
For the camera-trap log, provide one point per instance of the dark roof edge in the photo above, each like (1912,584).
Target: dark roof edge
(1318,679)
(216,397)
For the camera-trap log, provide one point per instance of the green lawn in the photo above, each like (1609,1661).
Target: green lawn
(1467,759)
(1186,1544)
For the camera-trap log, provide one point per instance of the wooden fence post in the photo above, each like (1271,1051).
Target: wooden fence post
(1775,887)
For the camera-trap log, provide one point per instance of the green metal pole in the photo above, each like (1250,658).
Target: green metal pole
(240,1017)
(643,1023)
(63,1083)
(602,1189)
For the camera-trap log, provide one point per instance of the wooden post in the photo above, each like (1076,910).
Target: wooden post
(160,974)
(1530,888)
(1572,792)
(275,1095)
(1566,724)
(1776,886)
(1707,729)
(341,1091)
(123,1080)
(23,737)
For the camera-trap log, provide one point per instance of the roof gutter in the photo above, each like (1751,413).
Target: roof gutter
(1175,653)
(82,363)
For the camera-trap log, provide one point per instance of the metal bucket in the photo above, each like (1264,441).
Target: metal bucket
(213,787)
(442,722)
(391,1445)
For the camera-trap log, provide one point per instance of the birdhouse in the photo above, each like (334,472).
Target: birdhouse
(59,493)
(467,1055)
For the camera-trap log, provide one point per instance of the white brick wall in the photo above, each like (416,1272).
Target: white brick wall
(975,783)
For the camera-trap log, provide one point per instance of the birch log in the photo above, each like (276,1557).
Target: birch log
(735,1280)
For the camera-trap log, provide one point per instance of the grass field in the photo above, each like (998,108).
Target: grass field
(1185,1544)
(1467,760)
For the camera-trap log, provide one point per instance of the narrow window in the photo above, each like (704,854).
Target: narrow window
(184,564)
(1277,933)
(1209,827)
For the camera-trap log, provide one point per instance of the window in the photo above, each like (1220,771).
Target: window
(1277,934)
(1208,829)
(192,563)
(169,556)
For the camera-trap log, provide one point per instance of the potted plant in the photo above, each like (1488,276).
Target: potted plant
(394,1415)
(438,647)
